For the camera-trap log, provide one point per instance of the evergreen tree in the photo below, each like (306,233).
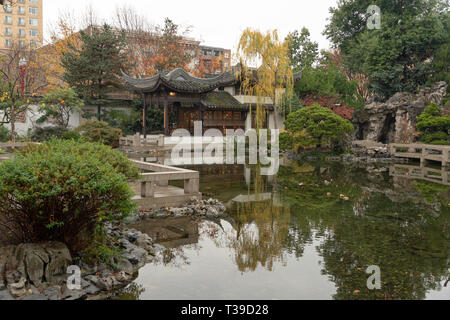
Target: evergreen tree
(398,56)
(92,70)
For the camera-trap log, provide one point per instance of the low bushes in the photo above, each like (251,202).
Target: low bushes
(4,134)
(64,191)
(317,127)
(434,126)
(99,131)
(46,133)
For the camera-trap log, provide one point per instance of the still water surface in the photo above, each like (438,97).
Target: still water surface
(308,233)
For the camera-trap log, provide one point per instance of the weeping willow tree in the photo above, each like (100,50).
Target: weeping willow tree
(266,69)
(262,227)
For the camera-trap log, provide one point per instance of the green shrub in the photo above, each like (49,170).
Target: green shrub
(100,131)
(285,141)
(4,134)
(64,191)
(434,125)
(317,126)
(71,135)
(47,133)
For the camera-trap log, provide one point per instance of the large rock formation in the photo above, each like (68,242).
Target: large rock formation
(394,121)
(32,264)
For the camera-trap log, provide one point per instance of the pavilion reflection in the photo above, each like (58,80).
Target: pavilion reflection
(171,232)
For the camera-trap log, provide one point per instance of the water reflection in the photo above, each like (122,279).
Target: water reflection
(173,235)
(319,225)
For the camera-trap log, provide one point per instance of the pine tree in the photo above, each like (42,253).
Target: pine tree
(92,70)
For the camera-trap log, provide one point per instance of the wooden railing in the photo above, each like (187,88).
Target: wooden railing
(10,145)
(223,123)
(421,151)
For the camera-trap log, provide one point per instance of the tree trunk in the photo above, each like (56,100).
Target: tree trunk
(99,112)
(13,123)
(144,118)
(275,109)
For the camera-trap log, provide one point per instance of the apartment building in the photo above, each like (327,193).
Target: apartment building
(21,23)
(213,59)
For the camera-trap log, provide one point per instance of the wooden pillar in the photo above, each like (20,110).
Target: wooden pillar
(166,116)
(144,117)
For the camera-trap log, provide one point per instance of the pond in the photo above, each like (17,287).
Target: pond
(308,233)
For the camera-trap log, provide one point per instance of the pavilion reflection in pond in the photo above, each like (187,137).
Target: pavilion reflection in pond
(171,232)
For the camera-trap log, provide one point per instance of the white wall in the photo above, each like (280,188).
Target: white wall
(31,117)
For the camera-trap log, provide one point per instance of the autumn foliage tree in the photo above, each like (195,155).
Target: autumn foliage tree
(59,104)
(21,76)
(171,50)
(63,37)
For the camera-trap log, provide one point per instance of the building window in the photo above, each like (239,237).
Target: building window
(208,115)
(22,43)
(22,33)
(7,8)
(34,22)
(8,20)
(33,43)
(228,115)
(21,21)
(32,10)
(34,1)
(21,10)
(34,33)
(237,116)
(21,1)
(8,31)
(8,43)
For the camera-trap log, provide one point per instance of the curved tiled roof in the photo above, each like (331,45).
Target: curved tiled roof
(221,100)
(179,80)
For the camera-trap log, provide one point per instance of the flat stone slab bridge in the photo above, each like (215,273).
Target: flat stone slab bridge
(424,152)
(153,191)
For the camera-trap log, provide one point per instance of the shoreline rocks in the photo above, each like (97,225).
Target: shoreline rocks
(210,208)
(40,271)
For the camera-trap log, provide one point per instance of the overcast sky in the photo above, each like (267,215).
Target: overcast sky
(215,23)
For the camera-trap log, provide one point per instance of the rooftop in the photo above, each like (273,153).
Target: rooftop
(180,81)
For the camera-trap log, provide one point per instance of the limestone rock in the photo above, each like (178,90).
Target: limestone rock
(59,260)
(37,262)
(394,121)
(18,289)
(52,293)
(124,265)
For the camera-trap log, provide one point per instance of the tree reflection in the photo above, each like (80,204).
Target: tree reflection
(261,227)
(386,223)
